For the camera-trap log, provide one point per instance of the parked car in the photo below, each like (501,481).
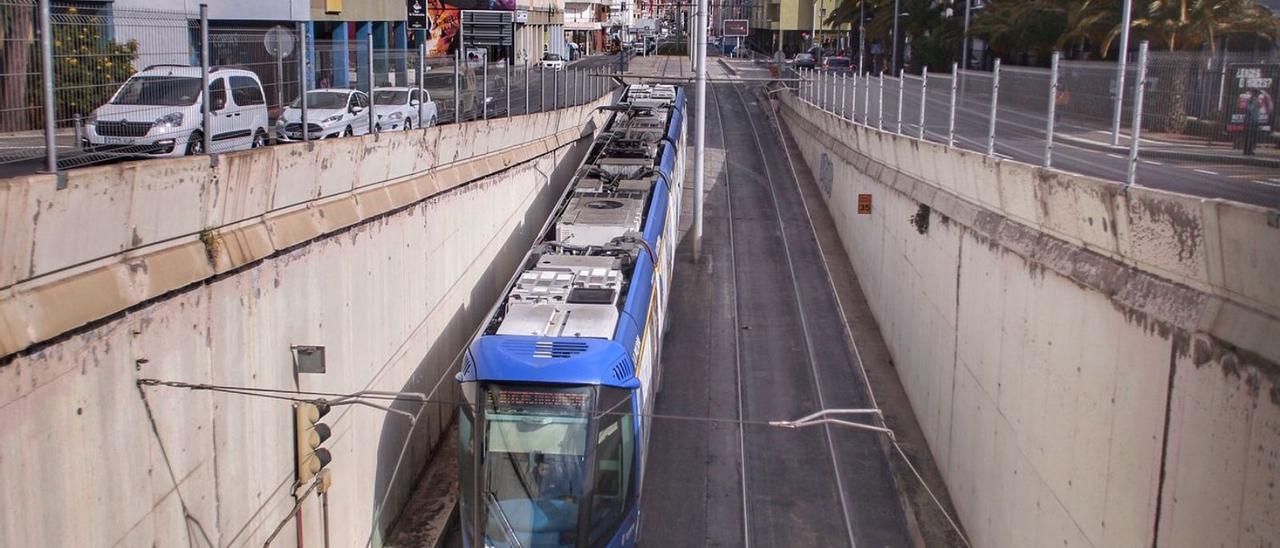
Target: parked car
(837,64)
(159,112)
(331,112)
(440,90)
(552,61)
(398,108)
(804,60)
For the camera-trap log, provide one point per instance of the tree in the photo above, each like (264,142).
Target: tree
(87,68)
(17,30)
(931,34)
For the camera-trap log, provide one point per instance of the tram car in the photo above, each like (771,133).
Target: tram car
(560,380)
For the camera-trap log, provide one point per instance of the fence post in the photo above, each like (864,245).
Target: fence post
(853,100)
(484,83)
(924,97)
(302,80)
(844,95)
(1053,110)
(902,84)
(46,77)
(526,84)
(951,113)
(880,104)
(457,88)
(206,115)
(995,96)
(372,119)
(866,99)
(555,89)
(542,88)
(422,82)
(507,82)
(1140,89)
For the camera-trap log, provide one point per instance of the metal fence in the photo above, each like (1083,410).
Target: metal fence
(1188,109)
(81,85)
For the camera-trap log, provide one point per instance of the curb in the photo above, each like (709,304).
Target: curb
(1172,155)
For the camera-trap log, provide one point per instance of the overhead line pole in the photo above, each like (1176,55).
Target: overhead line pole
(1121,61)
(699,132)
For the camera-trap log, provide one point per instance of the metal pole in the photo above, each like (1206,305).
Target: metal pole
(1121,61)
(1053,109)
(862,42)
(880,104)
(1140,89)
(542,88)
(964,38)
(46,81)
(866,99)
(853,106)
(484,83)
(902,84)
(302,79)
(995,97)
(457,87)
(422,88)
(526,85)
(555,89)
(951,113)
(699,128)
(924,98)
(893,61)
(206,114)
(507,83)
(372,121)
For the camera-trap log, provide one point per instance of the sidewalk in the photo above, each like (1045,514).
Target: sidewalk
(1176,147)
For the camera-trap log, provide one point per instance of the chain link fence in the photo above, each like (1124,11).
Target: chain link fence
(1195,108)
(130,83)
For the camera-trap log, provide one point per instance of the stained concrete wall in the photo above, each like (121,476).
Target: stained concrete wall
(388,251)
(1091,367)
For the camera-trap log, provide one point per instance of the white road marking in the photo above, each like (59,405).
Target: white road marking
(1153,162)
(1205,171)
(1116,156)
(1268,183)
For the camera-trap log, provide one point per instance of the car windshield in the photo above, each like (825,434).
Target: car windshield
(551,57)
(390,97)
(158,90)
(804,57)
(536,440)
(323,99)
(837,62)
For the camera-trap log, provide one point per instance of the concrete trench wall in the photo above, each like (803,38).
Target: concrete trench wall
(1090,367)
(389,257)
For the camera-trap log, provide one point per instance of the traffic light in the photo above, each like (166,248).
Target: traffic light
(311,434)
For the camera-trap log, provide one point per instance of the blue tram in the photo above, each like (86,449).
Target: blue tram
(559,382)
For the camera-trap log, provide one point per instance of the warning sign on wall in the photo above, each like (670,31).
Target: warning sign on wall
(864,204)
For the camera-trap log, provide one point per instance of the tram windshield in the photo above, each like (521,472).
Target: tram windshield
(535,467)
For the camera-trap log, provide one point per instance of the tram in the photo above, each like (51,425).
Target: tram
(558,383)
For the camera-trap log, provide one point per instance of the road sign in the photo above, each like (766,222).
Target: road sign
(864,204)
(486,28)
(278,41)
(735,27)
(417,14)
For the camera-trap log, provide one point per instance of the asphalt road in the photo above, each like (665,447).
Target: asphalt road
(757,336)
(1020,135)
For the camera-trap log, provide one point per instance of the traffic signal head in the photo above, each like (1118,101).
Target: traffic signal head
(311,434)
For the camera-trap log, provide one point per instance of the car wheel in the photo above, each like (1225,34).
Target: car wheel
(259,139)
(348,132)
(408,124)
(433,121)
(195,143)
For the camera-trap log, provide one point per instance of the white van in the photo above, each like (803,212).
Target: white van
(157,112)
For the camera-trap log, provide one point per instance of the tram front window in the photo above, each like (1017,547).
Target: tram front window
(535,463)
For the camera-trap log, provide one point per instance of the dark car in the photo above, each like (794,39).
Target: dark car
(837,64)
(804,60)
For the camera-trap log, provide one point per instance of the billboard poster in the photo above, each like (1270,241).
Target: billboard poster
(1251,85)
(444,20)
(417,14)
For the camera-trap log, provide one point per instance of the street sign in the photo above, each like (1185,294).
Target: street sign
(417,14)
(486,28)
(1242,79)
(522,16)
(864,204)
(735,27)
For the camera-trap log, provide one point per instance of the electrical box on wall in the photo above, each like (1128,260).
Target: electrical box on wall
(308,358)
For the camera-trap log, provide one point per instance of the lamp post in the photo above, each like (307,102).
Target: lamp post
(893,61)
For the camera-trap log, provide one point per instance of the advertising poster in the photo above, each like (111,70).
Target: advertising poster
(444,21)
(1251,87)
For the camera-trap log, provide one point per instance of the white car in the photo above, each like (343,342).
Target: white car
(331,112)
(158,112)
(552,61)
(398,108)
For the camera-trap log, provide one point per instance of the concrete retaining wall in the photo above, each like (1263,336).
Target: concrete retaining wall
(1090,367)
(386,250)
